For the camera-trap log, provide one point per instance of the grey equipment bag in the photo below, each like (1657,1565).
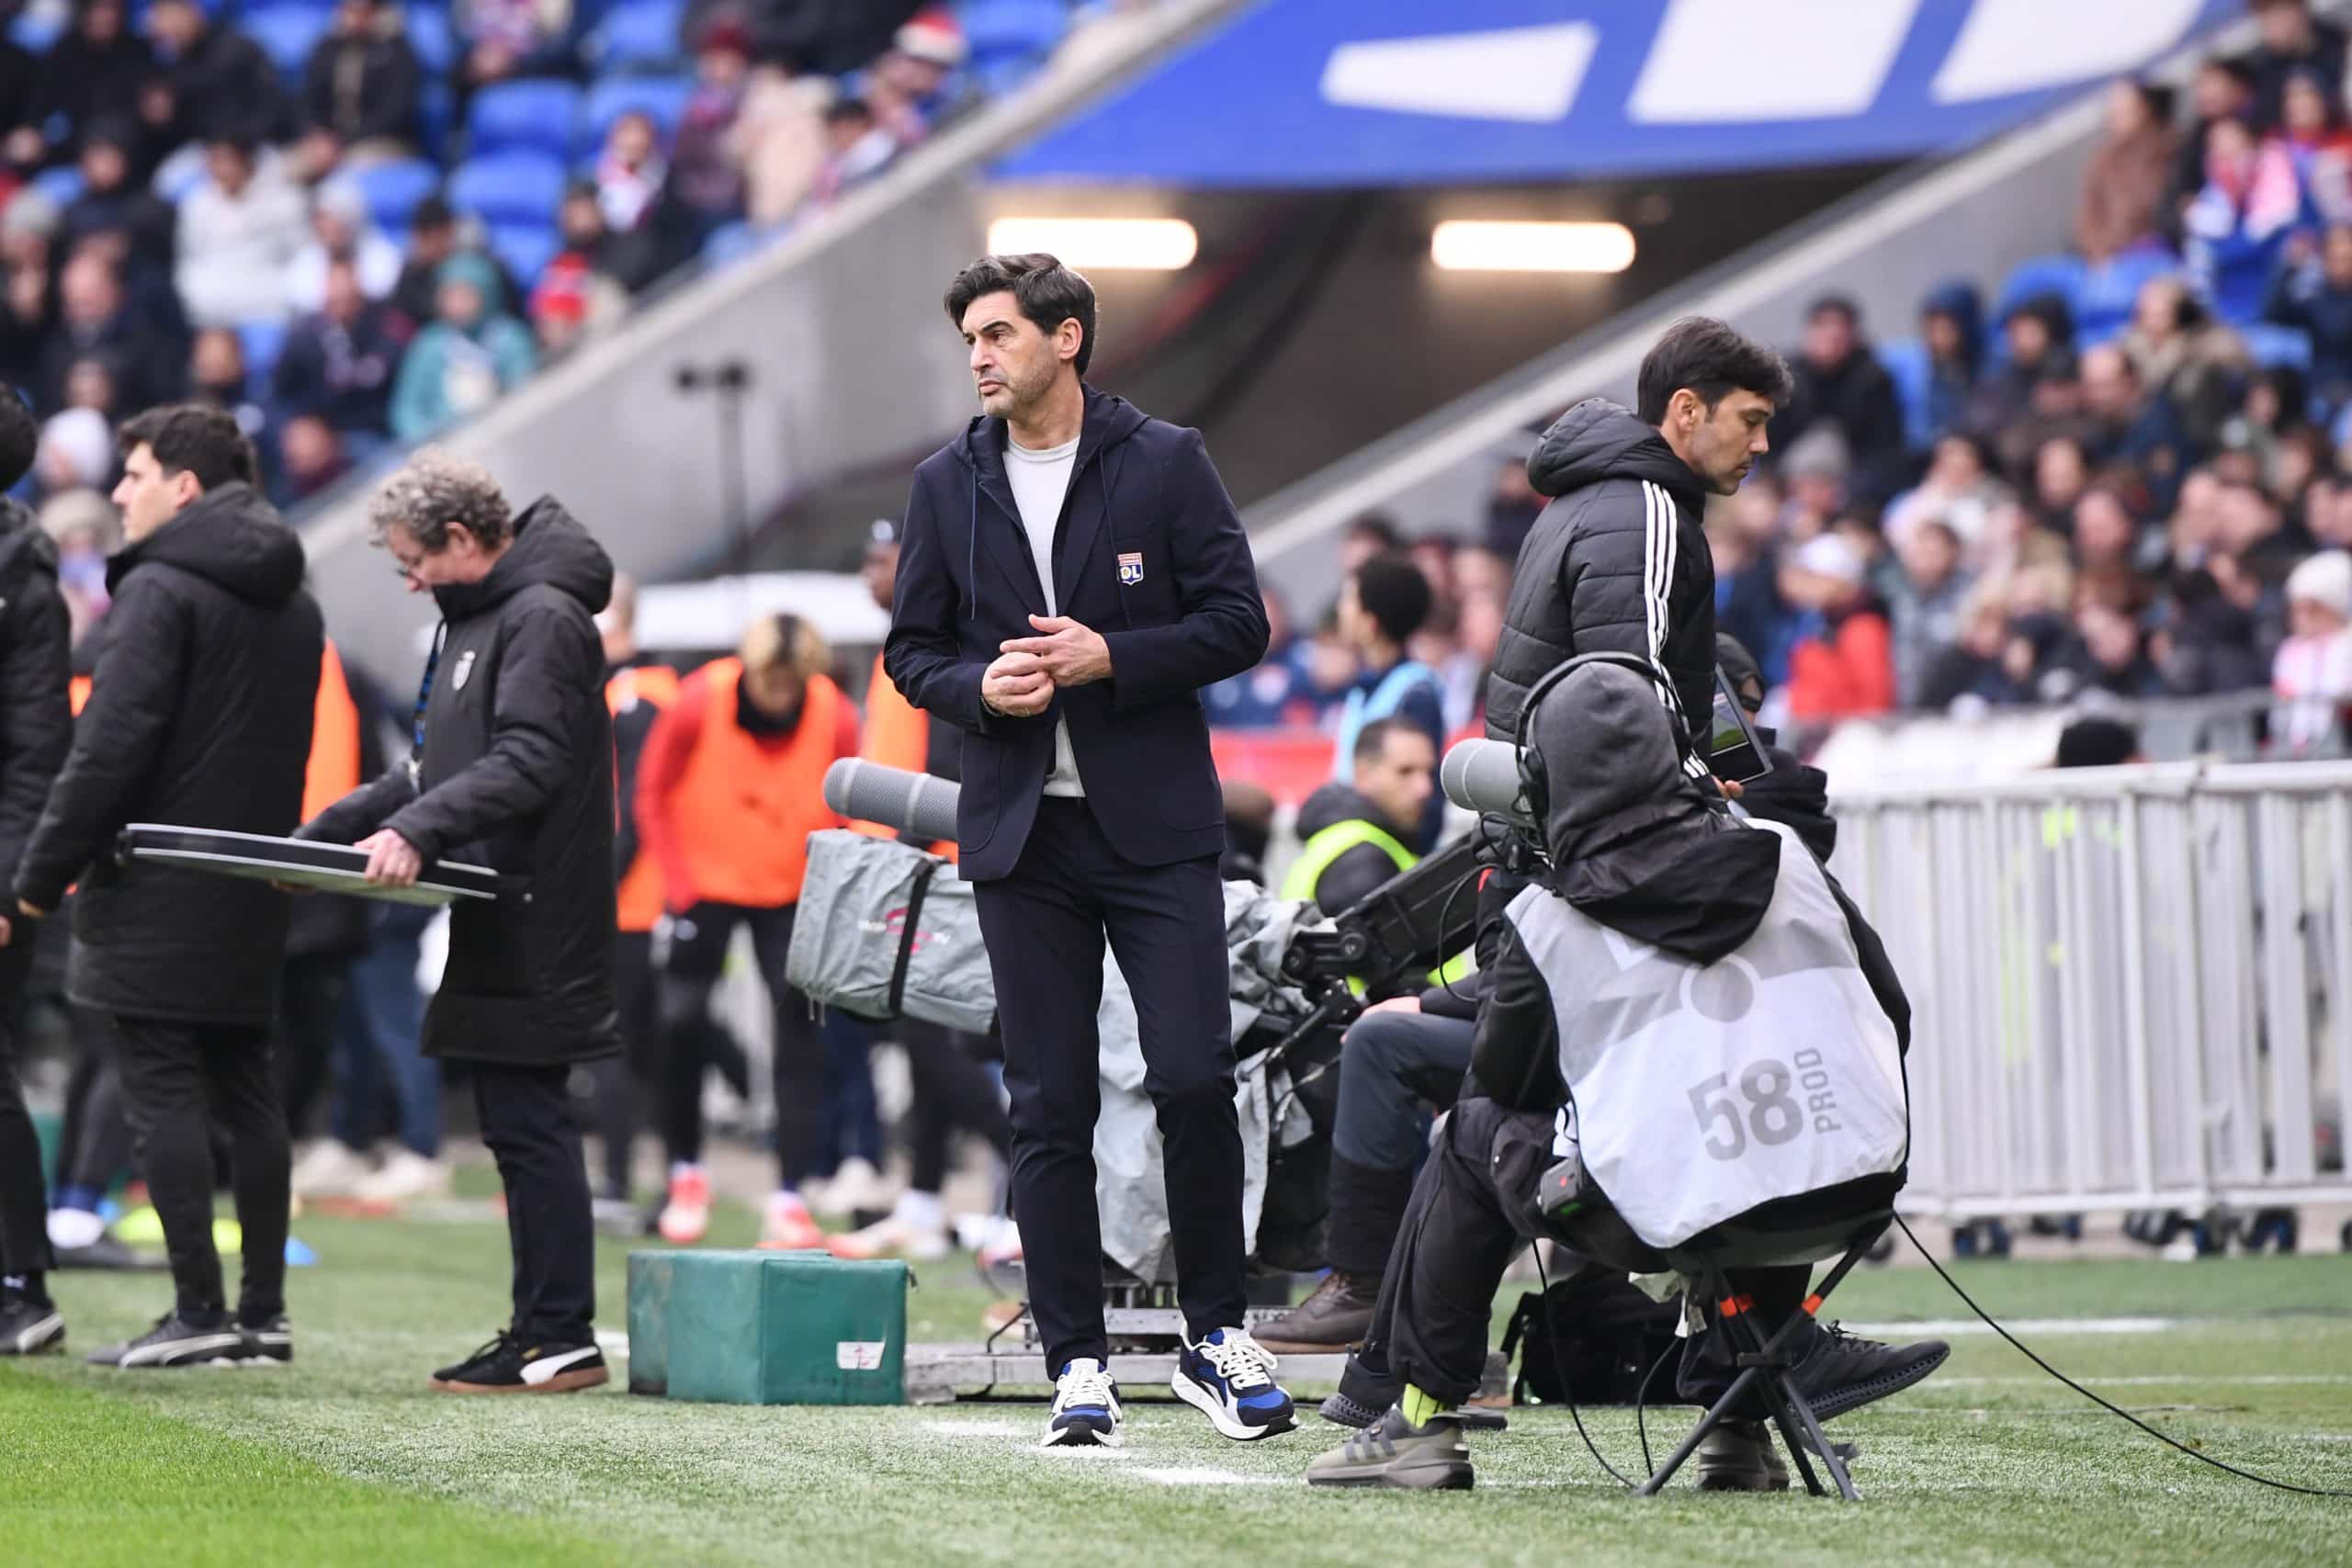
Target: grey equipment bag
(887,930)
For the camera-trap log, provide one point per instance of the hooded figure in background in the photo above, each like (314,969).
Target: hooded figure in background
(1678,902)
(460,364)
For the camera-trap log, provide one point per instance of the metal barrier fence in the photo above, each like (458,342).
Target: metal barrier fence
(2132,988)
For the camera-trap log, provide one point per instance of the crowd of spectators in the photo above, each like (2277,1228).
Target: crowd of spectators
(353,221)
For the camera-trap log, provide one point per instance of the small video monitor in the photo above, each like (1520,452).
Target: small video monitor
(1734,751)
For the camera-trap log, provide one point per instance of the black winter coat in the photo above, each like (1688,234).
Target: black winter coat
(516,775)
(1618,561)
(36,720)
(200,716)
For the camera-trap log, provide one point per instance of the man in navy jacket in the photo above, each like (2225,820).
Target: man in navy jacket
(1071,573)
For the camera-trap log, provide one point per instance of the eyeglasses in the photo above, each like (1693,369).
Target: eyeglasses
(406,571)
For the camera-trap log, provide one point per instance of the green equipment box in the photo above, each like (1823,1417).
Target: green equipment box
(767,1328)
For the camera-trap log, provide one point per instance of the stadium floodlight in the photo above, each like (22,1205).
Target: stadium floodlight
(1478,245)
(1138,244)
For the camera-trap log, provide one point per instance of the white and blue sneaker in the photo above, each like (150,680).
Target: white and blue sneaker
(1086,1408)
(1229,1378)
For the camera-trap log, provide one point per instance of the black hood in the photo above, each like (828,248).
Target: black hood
(231,536)
(1635,843)
(23,546)
(549,548)
(1335,802)
(1600,440)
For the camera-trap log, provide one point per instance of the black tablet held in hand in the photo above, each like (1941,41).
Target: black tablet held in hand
(298,863)
(1734,751)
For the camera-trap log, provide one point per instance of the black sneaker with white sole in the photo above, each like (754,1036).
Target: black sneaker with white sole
(268,1342)
(1844,1372)
(507,1365)
(29,1327)
(175,1342)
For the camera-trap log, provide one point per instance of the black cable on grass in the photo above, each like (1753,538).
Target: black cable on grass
(1560,1364)
(1641,1400)
(2111,1408)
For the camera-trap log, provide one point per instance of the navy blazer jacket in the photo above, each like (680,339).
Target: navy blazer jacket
(1149,552)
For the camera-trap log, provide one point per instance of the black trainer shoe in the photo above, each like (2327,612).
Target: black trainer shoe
(1394,1452)
(506,1365)
(1335,1318)
(109,1253)
(174,1342)
(1738,1456)
(29,1327)
(268,1342)
(1844,1372)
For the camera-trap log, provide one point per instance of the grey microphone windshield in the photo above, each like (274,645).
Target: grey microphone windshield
(911,803)
(1482,777)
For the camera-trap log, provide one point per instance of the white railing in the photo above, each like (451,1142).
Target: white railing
(2132,988)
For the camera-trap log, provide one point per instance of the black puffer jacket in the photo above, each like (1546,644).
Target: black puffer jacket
(516,775)
(1617,562)
(200,716)
(36,721)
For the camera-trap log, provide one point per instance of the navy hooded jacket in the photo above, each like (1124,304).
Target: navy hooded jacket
(1149,552)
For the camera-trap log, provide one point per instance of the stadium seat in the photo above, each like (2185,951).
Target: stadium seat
(287,33)
(1906,359)
(1004,76)
(2104,302)
(2272,345)
(437,113)
(61,185)
(539,115)
(662,97)
(393,190)
(2060,275)
(641,36)
(35,30)
(1025,29)
(526,248)
(263,342)
(434,39)
(178,178)
(509,187)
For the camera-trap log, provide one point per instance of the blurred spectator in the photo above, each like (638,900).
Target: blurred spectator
(361,86)
(2235,229)
(112,198)
(2039,332)
(1842,667)
(1383,603)
(778,138)
(2060,474)
(2222,89)
(1817,470)
(2098,742)
(341,230)
(470,353)
(2312,674)
(2123,186)
(2107,539)
(1958,490)
(77,452)
(2292,40)
(1951,325)
(706,175)
(217,375)
(629,171)
(855,149)
(86,529)
(1927,590)
(1840,383)
(1512,509)
(90,384)
(1969,670)
(1743,537)
(2316,141)
(434,237)
(97,68)
(575,295)
(217,85)
(2318,300)
(337,363)
(2103,655)
(2182,356)
(95,320)
(237,233)
(2121,425)
(505,39)
(1277,691)
(311,459)
(908,85)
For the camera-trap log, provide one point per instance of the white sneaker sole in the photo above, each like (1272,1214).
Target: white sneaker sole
(41,1338)
(1225,1421)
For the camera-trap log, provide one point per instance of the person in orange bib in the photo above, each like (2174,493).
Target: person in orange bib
(728,792)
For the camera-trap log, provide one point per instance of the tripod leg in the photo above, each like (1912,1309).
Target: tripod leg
(1822,1444)
(1707,1423)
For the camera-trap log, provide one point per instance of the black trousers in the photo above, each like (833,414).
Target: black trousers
(697,954)
(621,1080)
(1391,1064)
(174,1072)
(310,1004)
(94,1146)
(526,1117)
(23,1197)
(952,1093)
(1045,926)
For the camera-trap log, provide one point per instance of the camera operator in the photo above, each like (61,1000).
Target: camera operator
(1638,848)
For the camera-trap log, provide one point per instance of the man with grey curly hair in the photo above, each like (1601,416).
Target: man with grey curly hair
(512,770)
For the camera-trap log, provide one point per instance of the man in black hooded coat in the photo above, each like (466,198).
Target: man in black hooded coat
(1640,847)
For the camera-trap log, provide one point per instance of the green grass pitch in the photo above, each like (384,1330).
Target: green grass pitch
(344,1458)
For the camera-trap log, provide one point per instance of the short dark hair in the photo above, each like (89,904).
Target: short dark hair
(19,437)
(193,438)
(2097,743)
(1047,292)
(433,212)
(1394,594)
(1378,526)
(1710,358)
(1372,736)
(1835,305)
(841,111)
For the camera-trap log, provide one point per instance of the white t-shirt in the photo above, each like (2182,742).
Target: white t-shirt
(1040,481)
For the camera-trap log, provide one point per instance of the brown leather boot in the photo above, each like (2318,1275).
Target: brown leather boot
(1335,1318)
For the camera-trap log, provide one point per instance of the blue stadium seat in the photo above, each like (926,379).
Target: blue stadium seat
(525,248)
(1004,76)
(509,187)
(641,36)
(436,114)
(2061,274)
(2272,345)
(61,185)
(662,97)
(434,40)
(392,189)
(538,116)
(178,178)
(1027,30)
(2103,306)
(287,33)
(34,32)
(263,342)
(1906,359)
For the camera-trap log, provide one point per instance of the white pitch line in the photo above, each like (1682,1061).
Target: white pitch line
(1181,1475)
(977,1429)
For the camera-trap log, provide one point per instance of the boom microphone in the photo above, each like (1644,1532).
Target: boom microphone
(911,803)
(1482,776)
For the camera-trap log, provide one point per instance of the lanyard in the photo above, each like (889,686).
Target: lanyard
(425,695)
